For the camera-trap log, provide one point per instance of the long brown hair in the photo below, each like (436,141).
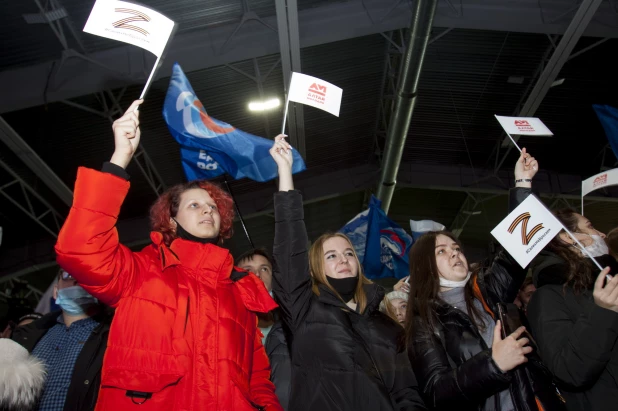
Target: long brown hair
(425,285)
(316,265)
(579,270)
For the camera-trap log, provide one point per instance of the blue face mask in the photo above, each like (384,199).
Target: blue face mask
(74,300)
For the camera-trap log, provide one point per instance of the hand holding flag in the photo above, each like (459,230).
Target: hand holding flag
(525,169)
(281,152)
(126,135)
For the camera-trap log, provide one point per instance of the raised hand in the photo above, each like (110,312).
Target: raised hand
(126,135)
(510,352)
(525,168)
(281,152)
(606,297)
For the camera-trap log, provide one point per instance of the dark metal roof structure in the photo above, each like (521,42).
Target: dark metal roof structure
(484,58)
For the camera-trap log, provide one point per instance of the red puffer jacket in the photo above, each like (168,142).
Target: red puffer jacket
(184,336)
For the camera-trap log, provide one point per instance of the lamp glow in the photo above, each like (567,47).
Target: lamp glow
(265,105)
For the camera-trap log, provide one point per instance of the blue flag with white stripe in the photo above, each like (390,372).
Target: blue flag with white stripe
(381,244)
(210,147)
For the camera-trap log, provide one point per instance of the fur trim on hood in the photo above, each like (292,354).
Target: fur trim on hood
(22,377)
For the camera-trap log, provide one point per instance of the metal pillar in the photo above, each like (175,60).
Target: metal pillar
(420,29)
(563,50)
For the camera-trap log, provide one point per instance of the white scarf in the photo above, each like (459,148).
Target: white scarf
(455,284)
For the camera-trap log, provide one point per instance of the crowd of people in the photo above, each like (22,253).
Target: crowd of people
(183,325)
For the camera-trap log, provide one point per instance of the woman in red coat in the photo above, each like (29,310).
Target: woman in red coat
(185,335)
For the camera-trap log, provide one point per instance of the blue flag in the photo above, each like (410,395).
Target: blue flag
(381,244)
(210,147)
(608,116)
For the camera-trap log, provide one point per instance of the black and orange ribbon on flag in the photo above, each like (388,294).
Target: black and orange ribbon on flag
(525,236)
(137,16)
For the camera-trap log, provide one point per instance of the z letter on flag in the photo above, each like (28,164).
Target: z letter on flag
(314,92)
(527,230)
(130,23)
(529,126)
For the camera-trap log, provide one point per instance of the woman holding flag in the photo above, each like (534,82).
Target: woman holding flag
(346,354)
(185,333)
(457,344)
(574,316)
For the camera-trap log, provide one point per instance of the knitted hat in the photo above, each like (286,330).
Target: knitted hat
(393,295)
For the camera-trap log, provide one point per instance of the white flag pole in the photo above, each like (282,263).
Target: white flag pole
(287,103)
(513,140)
(152,73)
(285,113)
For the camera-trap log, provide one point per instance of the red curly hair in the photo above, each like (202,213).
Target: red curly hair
(167,204)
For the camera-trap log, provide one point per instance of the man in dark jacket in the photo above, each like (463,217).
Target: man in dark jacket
(259,262)
(71,343)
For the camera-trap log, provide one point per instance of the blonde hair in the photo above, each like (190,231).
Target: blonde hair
(316,265)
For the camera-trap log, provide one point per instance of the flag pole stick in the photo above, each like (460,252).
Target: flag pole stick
(287,104)
(242,222)
(157,63)
(152,72)
(513,140)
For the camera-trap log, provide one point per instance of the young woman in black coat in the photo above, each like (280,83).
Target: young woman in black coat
(458,352)
(346,354)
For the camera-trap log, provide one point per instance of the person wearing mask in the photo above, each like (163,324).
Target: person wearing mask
(455,340)
(184,335)
(346,354)
(22,377)
(395,305)
(71,343)
(573,316)
(550,266)
(260,262)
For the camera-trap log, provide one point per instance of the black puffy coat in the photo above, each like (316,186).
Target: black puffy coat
(341,360)
(454,365)
(577,340)
(278,351)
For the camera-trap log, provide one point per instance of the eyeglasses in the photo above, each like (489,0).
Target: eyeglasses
(66,276)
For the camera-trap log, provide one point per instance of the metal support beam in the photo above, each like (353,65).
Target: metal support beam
(468,209)
(34,162)
(573,33)
(405,99)
(199,49)
(24,197)
(259,80)
(320,185)
(289,46)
